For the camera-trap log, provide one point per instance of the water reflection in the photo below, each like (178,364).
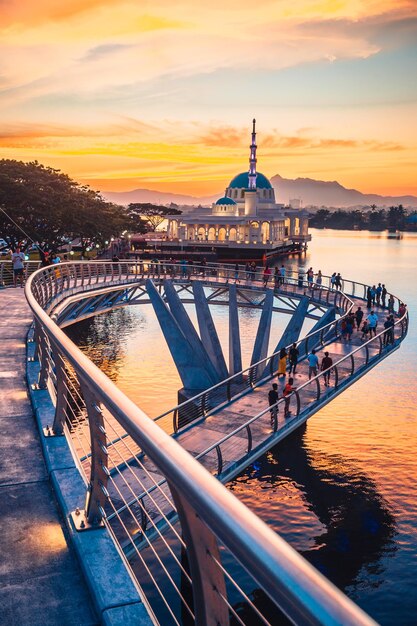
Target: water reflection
(358,527)
(103,338)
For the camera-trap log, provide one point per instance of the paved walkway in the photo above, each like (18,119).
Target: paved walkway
(40,581)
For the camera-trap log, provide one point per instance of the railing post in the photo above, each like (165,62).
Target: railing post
(97,488)
(42,356)
(208,584)
(336,377)
(249,433)
(61,394)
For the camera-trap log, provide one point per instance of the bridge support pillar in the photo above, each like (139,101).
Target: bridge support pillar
(208,582)
(191,369)
(235,350)
(208,332)
(260,349)
(187,327)
(312,342)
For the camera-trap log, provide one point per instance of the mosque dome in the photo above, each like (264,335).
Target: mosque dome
(225,200)
(241,181)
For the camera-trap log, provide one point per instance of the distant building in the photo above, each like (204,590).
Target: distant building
(295,203)
(244,223)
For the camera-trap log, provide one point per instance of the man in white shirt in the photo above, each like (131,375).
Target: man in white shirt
(372,323)
(18,259)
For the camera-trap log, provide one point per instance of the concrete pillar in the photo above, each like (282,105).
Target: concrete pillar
(306,346)
(208,332)
(187,327)
(260,349)
(192,371)
(235,350)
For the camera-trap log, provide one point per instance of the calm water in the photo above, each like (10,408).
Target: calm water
(343,490)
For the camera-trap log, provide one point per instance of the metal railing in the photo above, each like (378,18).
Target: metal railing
(206,566)
(6,271)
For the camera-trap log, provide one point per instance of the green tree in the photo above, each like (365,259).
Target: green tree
(142,213)
(319,219)
(53,209)
(377,220)
(396,217)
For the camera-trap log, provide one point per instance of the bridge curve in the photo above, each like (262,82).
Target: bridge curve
(147,489)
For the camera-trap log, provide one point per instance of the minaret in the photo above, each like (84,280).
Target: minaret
(252,159)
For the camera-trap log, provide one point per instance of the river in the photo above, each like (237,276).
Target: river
(342,491)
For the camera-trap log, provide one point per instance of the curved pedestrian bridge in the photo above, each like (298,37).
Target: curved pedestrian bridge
(196,552)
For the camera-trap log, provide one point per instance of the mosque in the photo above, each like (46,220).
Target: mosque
(246,223)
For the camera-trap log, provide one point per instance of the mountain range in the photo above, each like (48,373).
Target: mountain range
(312,192)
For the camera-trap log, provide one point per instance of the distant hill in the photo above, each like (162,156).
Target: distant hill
(156,197)
(312,192)
(331,194)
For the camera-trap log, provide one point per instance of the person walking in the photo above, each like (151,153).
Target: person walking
(378,292)
(18,260)
(253,270)
(387,329)
(333,281)
(282,365)
(237,273)
(326,365)
(313,361)
(402,309)
(369,298)
(391,303)
(338,282)
(349,328)
(267,274)
(372,320)
(383,296)
(319,278)
(391,329)
(286,392)
(273,399)
(373,294)
(310,277)
(293,355)
(248,270)
(365,330)
(277,278)
(358,317)
(282,271)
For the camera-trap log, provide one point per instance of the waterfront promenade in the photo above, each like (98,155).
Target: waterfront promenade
(40,579)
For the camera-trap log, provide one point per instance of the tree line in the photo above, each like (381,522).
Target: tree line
(53,210)
(394,218)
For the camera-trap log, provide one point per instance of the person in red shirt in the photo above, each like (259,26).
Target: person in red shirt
(287,391)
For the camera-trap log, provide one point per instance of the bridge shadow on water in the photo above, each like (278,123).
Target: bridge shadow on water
(359,527)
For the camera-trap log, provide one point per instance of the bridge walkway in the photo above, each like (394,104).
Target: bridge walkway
(212,441)
(40,580)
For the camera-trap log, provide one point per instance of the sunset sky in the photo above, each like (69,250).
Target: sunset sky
(160,95)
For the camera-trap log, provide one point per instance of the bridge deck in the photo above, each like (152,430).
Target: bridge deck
(141,475)
(40,581)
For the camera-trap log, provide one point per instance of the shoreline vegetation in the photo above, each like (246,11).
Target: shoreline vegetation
(396,218)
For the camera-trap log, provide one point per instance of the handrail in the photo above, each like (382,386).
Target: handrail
(301,592)
(309,382)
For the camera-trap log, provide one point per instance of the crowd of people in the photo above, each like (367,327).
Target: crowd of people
(354,321)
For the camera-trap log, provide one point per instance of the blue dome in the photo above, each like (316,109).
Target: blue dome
(225,200)
(241,181)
